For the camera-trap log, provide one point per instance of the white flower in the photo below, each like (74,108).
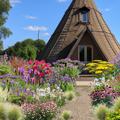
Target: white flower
(58,88)
(103,78)
(41,92)
(96,80)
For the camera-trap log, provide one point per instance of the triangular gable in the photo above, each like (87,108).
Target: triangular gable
(80,38)
(71,27)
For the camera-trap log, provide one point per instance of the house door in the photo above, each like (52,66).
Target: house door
(85,54)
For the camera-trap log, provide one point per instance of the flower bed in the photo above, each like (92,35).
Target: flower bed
(38,87)
(43,111)
(104,95)
(105,99)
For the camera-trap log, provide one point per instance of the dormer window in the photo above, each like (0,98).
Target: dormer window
(84,15)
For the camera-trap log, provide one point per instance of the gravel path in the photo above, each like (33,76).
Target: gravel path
(81,106)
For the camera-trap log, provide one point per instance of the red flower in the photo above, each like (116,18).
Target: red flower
(41,74)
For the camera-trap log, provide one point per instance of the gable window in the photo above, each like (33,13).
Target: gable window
(84,15)
(85,54)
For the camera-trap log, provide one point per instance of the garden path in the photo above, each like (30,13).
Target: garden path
(81,106)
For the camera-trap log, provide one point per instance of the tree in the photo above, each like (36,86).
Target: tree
(40,45)
(27,49)
(4,10)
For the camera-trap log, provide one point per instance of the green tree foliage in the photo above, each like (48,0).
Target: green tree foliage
(27,49)
(4,10)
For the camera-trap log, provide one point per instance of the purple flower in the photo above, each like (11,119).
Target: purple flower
(21,70)
(66,78)
(12,81)
(30,71)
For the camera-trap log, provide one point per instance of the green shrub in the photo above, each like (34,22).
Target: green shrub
(66,86)
(116,106)
(10,111)
(15,113)
(60,101)
(3,95)
(114,115)
(69,95)
(70,87)
(2,112)
(105,113)
(101,112)
(5,69)
(66,115)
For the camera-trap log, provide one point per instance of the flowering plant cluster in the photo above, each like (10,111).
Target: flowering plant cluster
(28,83)
(69,67)
(18,91)
(65,72)
(116,61)
(102,70)
(104,95)
(36,72)
(43,111)
(16,63)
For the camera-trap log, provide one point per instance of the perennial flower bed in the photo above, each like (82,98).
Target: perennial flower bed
(39,88)
(43,111)
(104,95)
(106,88)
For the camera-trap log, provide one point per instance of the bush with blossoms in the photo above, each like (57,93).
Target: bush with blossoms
(43,111)
(104,95)
(65,73)
(102,70)
(36,72)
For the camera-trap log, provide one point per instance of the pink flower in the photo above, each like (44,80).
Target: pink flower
(30,62)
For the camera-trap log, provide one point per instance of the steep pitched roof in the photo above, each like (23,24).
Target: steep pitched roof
(70,28)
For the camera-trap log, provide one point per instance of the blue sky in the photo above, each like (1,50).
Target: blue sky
(27,16)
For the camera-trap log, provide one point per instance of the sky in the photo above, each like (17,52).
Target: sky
(28,16)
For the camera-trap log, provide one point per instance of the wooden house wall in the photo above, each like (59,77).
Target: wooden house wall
(88,41)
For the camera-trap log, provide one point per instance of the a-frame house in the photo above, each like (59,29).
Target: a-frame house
(82,35)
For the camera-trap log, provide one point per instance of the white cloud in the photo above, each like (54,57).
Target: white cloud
(46,34)
(36,28)
(30,17)
(14,2)
(62,1)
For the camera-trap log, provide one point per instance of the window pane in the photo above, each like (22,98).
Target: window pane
(82,53)
(89,54)
(85,17)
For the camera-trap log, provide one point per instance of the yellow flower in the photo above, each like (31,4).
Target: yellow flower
(110,65)
(100,68)
(91,64)
(98,72)
(103,62)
